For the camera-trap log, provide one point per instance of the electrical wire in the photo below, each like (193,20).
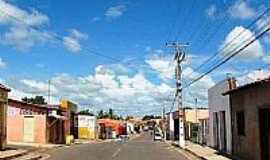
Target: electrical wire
(228,58)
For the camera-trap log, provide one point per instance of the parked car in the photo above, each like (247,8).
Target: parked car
(157,136)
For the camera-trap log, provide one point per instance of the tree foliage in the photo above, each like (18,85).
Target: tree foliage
(110,115)
(86,112)
(149,117)
(35,100)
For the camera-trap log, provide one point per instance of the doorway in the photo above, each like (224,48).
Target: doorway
(28,129)
(264,124)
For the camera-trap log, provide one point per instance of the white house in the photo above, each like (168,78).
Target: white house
(220,129)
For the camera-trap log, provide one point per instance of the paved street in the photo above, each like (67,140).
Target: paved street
(139,148)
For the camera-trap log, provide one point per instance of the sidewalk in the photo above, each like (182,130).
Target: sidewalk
(203,152)
(36,145)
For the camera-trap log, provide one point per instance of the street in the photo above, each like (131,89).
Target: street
(139,148)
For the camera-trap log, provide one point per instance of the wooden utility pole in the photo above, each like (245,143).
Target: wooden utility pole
(179,58)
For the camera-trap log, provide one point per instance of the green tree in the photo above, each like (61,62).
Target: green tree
(86,112)
(110,114)
(100,114)
(35,100)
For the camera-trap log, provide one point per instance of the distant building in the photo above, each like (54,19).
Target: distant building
(109,129)
(250,107)
(70,113)
(220,136)
(87,127)
(3,122)
(196,125)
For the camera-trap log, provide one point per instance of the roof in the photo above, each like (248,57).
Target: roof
(249,85)
(46,106)
(26,104)
(2,87)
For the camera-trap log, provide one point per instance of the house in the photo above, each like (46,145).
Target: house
(3,105)
(196,124)
(220,126)
(69,111)
(87,127)
(34,123)
(250,110)
(109,129)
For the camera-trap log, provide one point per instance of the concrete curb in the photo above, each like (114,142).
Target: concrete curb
(183,150)
(193,153)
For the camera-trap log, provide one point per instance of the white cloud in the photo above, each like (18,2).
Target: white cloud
(20,34)
(198,89)
(211,11)
(261,25)
(115,11)
(163,65)
(72,42)
(241,10)
(254,51)
(2,64)
(104,88)
(253,76)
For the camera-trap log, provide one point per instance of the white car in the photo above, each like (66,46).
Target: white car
(157,137)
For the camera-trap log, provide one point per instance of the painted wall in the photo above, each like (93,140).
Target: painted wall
(15,125)
(250,101)
(87,127)
(217,102)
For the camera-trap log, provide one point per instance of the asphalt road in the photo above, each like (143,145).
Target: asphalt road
(139,148)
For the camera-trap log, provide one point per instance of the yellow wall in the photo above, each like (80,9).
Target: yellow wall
(191,115)
(86,133)
(68,105)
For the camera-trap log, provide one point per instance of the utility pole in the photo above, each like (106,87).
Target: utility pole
(179,58)
(49,91)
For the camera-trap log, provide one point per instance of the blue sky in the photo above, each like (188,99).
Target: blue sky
(54,40)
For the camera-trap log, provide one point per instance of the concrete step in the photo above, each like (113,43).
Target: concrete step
(9,154)
(30,156)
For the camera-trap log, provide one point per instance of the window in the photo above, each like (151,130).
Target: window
(240,120)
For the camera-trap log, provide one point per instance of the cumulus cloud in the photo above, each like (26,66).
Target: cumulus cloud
(163,65)
(2,64)
(133,94)
(72,42)
(20,22)
(198,89)
(253,76)
(241,10)
(115,11)
(233,41)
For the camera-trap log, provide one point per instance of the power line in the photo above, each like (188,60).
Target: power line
(229,43)
(228,58)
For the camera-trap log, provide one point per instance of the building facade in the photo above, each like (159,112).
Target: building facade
(87,127)
(220,126)
(33,123)
(196,124)
(251,120)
